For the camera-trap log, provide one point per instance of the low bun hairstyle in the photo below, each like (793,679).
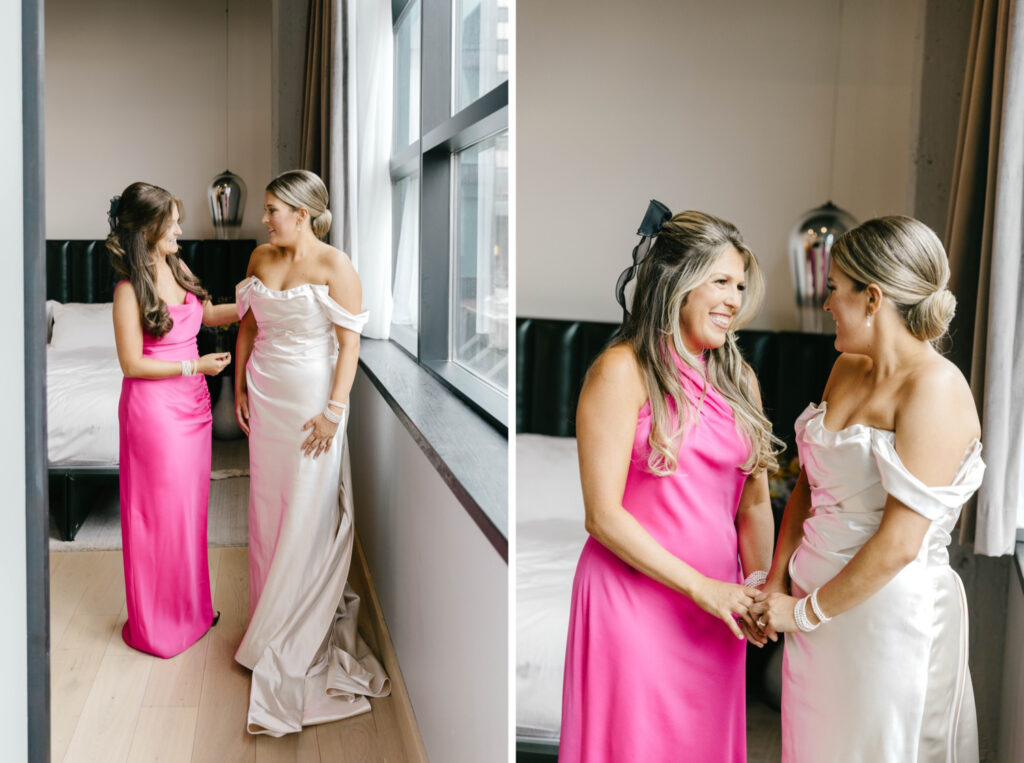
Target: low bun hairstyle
(905,258)
(302,189)
(138,218)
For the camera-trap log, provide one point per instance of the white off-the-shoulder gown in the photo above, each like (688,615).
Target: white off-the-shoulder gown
(308,663)
(886,681)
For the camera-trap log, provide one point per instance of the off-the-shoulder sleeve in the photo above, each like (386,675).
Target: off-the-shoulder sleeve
(243,294)
(339,315)
(929,502)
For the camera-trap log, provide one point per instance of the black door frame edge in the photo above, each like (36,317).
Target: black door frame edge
(34,263)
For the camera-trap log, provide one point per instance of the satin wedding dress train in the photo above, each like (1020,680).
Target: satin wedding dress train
(886,681)
(308,663)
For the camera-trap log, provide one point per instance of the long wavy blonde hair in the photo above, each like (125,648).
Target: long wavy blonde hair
(681,259)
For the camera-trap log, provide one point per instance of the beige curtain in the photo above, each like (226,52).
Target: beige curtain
(984,241)
(315,142)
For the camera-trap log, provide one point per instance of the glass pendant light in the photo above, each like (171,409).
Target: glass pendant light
(810,244)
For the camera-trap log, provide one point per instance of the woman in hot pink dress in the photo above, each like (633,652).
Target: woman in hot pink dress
(654,667)
(164,417)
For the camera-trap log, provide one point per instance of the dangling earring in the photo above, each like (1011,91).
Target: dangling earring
(869,320)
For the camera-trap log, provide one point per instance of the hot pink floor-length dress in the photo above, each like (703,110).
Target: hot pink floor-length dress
(165,427)
(649,676)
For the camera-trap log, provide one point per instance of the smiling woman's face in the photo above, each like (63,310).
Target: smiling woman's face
(168,241)
(710,308)
(849,309)
(281,221)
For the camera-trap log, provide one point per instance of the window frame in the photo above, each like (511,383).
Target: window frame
(442,135)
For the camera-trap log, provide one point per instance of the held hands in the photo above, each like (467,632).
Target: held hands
(213,363)
(724,600)
(321,436)
(774,613)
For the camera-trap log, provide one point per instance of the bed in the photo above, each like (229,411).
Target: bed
(83,377)
(552,358)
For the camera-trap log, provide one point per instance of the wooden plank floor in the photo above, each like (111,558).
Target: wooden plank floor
(112,703)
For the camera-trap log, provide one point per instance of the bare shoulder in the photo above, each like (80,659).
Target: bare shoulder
(261,255)
(937,398)
(616,372)
(124,291)
(343,282)
(336,262)
(846,371)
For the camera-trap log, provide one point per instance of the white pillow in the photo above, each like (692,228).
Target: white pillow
(77,324)
(547,478)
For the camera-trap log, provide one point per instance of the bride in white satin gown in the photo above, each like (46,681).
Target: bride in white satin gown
(875,661)
(299,345)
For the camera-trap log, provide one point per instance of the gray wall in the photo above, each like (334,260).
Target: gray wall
(753,111)
(136,91)
(442,586)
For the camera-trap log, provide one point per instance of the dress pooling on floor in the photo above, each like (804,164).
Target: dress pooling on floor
(649,675)
(164,475)
(309,664)
(886,681)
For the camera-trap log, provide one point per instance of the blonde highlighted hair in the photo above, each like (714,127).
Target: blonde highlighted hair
(906,260)
(681,259)
(302,189)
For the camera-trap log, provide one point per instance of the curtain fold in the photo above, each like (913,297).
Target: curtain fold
(315,135)
(984,241)
(360,156)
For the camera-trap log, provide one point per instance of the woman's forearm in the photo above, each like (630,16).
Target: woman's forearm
(791,532)
(243,349)
(620,532)
(151,368)
(893,546)
(755,529)
(219,315)
(345,369)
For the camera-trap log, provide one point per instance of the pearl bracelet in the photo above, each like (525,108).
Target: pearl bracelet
(331,416)
(800,615)
(755,578)
(188,367)
(817,608)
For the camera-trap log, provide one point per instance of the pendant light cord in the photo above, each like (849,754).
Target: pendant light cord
(227,71)
(835,105)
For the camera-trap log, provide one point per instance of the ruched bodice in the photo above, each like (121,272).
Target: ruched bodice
(886,680)
(295,321)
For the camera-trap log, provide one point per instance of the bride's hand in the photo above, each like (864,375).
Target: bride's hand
(723,600)
(774,614)
(242,410)
(320,437)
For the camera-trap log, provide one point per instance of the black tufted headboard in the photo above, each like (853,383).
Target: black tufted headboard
(79,270)
(552,357)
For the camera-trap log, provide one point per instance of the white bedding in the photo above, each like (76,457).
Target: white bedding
(83,386)
(550,536)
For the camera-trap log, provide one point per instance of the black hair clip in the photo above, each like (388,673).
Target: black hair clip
(655,217)
(115,203)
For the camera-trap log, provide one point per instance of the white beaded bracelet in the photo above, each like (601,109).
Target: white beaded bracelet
(188,367)
(331,416)
(817,608)
(800,615)
(756,578)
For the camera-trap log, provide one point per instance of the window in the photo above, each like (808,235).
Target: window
(450,194)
